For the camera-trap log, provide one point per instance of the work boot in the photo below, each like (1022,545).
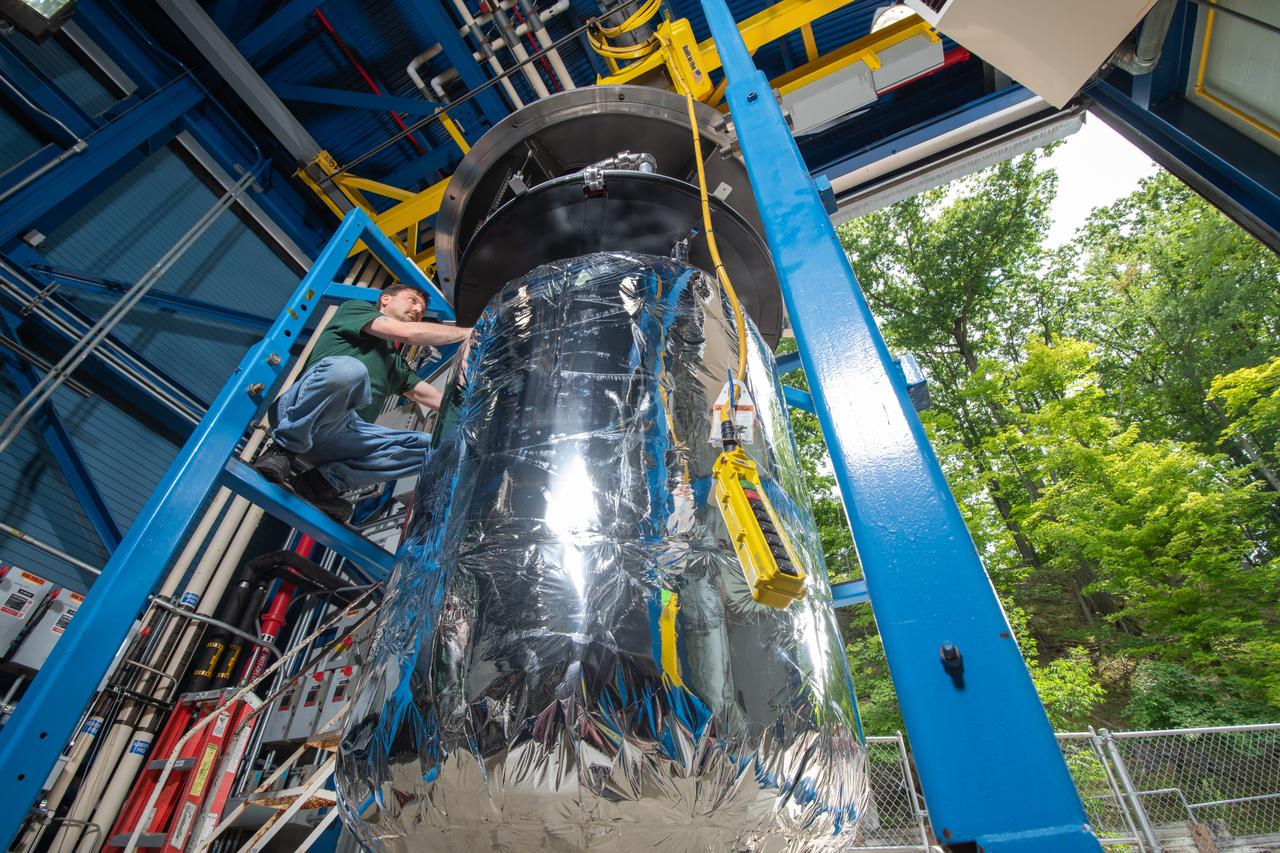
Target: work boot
(275,463)
(313,488)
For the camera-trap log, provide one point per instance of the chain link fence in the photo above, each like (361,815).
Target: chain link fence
(1209,790)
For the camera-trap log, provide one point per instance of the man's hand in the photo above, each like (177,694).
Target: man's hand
(416,334)
(426,394)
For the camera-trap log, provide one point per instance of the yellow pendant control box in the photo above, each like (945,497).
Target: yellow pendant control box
(768,560)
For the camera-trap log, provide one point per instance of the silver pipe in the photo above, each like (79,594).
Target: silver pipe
(44,389)
(1142,56)
(217,623)
(48,549)
(66,154)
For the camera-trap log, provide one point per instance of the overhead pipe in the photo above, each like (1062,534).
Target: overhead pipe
(508,32)
(110,778)
(537,49)
(534,21)
(472,27)
(107,351)
(48,549)
(49,383)
(1141,56)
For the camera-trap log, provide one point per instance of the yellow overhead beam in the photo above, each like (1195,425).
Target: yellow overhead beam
(774,23)
(865,49)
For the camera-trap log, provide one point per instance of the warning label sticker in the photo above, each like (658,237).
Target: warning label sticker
(202,771)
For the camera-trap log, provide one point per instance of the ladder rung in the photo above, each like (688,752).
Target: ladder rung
(284,799)
(327,740)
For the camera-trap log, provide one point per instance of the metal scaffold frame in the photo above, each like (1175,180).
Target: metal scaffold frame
(53,704)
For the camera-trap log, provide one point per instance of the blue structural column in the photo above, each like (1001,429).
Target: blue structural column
(989,763)
(47,715)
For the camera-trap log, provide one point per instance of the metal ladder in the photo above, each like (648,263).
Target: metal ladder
(311,794)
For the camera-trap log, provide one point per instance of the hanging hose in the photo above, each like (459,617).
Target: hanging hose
(722,274)
(638,19)
(598,33)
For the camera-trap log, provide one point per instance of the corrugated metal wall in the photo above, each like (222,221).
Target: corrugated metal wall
(120,234)
(16,142)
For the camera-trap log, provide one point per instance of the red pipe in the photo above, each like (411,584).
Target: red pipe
(355,63)
(275,616)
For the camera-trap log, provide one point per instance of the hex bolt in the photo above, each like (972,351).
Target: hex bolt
(273,359)
(952,663)
(256,389)
(751,97)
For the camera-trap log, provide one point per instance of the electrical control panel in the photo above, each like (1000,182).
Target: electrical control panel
(769,562)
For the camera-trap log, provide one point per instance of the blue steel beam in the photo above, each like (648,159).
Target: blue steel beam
(356,100)
(182,304)
(302,516)
(1255,207)
(46,717)
(62,446)
(989,763)
(277,29)
(848,593)
(106,146)
(211,126)
(788,362)
(797,399)
(44,97)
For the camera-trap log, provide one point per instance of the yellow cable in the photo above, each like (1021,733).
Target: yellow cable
(641,17)
(721,273)
(631,52)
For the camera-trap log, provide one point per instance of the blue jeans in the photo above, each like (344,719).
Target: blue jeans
(317,420)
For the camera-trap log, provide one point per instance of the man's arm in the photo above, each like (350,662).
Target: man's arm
(417,334)
(426,394)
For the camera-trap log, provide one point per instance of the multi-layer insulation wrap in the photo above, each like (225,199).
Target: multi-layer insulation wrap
(568,656)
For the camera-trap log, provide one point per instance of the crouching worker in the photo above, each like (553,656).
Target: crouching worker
(325,419)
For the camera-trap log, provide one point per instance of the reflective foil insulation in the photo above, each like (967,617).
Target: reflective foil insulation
(568,657)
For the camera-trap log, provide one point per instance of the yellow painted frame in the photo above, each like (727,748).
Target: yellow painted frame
(1200,90)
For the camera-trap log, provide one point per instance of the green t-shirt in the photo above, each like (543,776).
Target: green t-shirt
(389,373)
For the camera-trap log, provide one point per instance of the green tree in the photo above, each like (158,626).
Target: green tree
(1175,294)
(1083,401)
(1249,398)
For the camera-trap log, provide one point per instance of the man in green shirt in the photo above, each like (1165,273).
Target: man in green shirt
(326,418)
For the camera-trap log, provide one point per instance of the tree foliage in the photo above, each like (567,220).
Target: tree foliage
(1107,415)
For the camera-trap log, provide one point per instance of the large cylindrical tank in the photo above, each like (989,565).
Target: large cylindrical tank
(568,656)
